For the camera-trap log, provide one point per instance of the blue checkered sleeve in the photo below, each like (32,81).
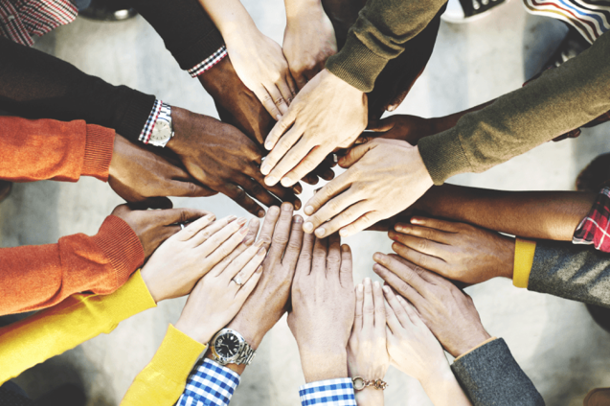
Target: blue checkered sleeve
(209,384)
(332,392)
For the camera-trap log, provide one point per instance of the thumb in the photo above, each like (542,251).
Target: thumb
(381,125)
(354,154)
(173,216)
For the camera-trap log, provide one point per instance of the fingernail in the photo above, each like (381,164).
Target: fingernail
(377,268)
(416,221)
(367,281)
(377,257)
(210,216)
(308,227)
(278,117)
(260,269)
(344,233)
(297,189)
(241,221)
(400,229)
(244,230)
(261,251)
(386,289)
(392,235)
(287,182)
(360,288)
(287,206)
(259,243)
(376,285)
(268,147)
(270,181)
(320,232)
(265,168)
(261,213)
(309,210)
(231,218)
(400,299)
(297,219)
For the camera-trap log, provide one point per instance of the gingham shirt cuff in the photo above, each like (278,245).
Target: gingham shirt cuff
(209,62)
(151,121)
(209,384)
(335,392)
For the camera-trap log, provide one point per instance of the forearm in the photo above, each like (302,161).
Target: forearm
(230,17)
(294,7)
(543,215)
(443,389)
(444,123)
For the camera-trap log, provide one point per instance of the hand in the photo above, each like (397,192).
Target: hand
(140,176)
(399,127)
(309,39)
(367,355)
(327,113)
(155,226)
(457,251)
(190,254)
(323,307)
(216,298)
(384,178)
(447,311)
(225,160)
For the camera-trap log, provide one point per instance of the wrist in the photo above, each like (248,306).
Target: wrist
(249,331)
(296,8)
(506,260)
(369,396)
(471,342)
(196,330)
(437,377)
(323,364)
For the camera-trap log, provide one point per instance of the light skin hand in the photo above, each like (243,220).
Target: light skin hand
(186,257)
(309,39)
(415,351)
(258,60)
(447,311)
(367,354)
(327,114)
(456,251)
(155,226)
(384,178)
(323,307)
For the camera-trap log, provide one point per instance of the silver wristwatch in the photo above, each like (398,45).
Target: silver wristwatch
(163,131)
(230,347)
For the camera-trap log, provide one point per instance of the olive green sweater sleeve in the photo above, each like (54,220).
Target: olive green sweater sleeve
(559,101)
(377,36)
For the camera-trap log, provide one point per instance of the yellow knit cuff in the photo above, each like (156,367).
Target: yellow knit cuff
(131,299)
(478,346)
(524,259)
(177,355)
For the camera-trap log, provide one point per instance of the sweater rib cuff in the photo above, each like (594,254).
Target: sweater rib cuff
(177,355)
(443,156)
(98,152)
(135,116)
(121,246)
(356,64)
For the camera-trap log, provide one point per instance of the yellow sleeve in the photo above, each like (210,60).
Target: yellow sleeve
(62,327)
(524,259)
(163,380)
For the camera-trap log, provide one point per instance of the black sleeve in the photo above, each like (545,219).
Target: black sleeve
(37,85)
(188,32)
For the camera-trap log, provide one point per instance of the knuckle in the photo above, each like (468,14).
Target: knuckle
(421,244)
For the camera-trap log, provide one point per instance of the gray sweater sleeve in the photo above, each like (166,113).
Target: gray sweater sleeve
(490,375)
(576,272)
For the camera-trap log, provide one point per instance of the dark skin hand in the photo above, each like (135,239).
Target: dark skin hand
(240,107)
(155,226)
(225,160)
(142,177)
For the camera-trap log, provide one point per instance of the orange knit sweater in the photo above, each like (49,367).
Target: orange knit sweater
(34,277)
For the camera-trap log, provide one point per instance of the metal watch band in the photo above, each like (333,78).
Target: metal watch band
(246,356)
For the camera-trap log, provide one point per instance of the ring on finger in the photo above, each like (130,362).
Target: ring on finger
(181,226)
(237,281)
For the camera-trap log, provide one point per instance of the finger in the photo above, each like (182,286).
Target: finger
(244,265)
(293,157)
(311,179)
(368,307)
(354,154)
(333,258)
(187,189)
(285,194)
(291,256)
(411,312)
(402,270)
(426,261)
(220,236)
(255,190)
(281,148)
(281,232)
(305,257)
(248,287)
(273,214)
(195,227)
(305,165)
(401,286)
(239,196)
(397,308)
(391,320)
(322,196)
(226,261)
(173,216)
(224,244)
(292,85)
(430,223)
(253,226)
(430,234)
(381,125)
(379,308)
(284,123)
(285,93)
(268,101)
(320,250)
(343,217)
(422,245)
(359,304)
(204,233)
(151,203)
(346,275)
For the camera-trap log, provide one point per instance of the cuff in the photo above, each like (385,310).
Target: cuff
(199,50)
(478,346)
(135,116)
(131,299)
(98,152)
(121,246)
(524,259)
(443,155)
(177,355)
(210,384)
(209,62)
(337,392)
(356,64)
(593,228)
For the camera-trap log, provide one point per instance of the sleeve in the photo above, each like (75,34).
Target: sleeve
(75,320)
(490,375)
(593,229)
(35,150)
(571,271)
(36,277)
(164,378)
(331,392)
(209,384)
(379,35)
(188,32)
(36,85)
(561,100)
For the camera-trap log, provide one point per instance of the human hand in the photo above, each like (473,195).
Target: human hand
(186,257)
(216,298)
(282,235)
(141,176)
(309,39)
(326,114)
(225,160)
(155,226)
(399,127)
(457,251)
(384,178)
(367,354)
(323,307)
(447,311)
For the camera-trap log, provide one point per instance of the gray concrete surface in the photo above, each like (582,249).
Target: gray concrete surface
(554,340)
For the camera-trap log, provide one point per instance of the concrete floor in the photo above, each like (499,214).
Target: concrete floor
(554,340)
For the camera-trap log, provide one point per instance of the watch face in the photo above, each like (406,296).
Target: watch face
(227,345)
(161,131)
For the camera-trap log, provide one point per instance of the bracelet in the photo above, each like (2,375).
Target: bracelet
(361,383)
